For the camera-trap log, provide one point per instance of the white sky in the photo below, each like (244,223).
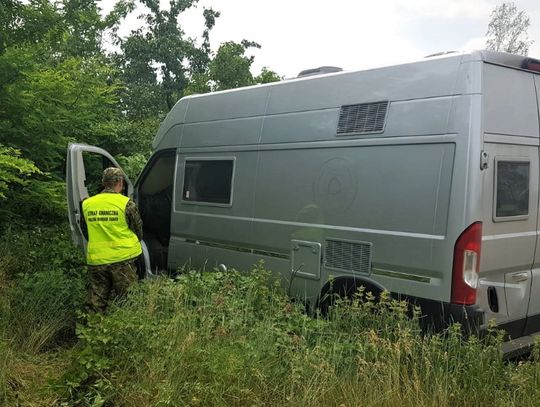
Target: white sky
(352,34)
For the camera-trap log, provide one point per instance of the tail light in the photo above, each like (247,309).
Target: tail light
(466,265)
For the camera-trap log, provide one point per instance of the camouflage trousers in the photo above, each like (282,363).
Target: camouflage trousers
(108,282)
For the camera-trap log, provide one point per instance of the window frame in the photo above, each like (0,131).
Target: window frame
(205,203)
(509,159)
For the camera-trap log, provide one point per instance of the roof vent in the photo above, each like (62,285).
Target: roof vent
(439,54)
(319,71)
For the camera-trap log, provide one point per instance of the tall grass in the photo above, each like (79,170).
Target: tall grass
(229,339)
(41,288)
(43,284)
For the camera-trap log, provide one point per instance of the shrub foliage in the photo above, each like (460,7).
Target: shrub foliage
(216,339)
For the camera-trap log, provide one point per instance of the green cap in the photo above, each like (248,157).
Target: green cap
(112,174)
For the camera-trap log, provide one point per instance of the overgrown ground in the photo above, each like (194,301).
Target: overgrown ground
(217,339)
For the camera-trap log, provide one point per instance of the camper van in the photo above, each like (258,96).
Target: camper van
(420,179)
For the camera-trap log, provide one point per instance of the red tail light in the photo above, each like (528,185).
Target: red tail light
(466,265)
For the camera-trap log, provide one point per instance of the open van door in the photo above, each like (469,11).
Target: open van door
(84,167)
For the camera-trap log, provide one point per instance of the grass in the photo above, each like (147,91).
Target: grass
(41,286)
(229,339)
(219,339)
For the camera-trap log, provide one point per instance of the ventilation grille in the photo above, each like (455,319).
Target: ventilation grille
(348,256)
(362,118)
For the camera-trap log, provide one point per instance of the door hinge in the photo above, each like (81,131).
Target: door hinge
(484,160)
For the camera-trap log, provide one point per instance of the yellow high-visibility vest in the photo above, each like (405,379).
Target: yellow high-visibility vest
(110,240)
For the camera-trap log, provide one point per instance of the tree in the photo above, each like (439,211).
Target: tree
(28,23)
(58,84)
(49,105)
(267,76)
(507,30)
(158,59)
(159,64)
(55,87)
(13,169)
(230,68)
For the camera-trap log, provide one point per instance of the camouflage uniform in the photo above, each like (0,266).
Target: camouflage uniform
(109,281)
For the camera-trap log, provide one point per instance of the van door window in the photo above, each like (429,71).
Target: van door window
(208,181)
(512,190)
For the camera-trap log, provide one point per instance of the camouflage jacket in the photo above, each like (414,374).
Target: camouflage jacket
(133,218)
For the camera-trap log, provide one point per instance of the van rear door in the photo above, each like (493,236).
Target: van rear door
(84,167)
(510,191)
(533,313)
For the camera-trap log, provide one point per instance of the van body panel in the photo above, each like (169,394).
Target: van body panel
(245,131)
(172,138)
(225,105)
(347,183)
(510,110)
(176,117)
(402,82)
(419,117)
(308,126)
(469,79)
(231,223)
(300,174)
(207,256)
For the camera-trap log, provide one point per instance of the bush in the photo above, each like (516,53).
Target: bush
(227,339)
(29,250)
(232,339)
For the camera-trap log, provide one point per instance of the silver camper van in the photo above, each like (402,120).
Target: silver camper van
(420,179)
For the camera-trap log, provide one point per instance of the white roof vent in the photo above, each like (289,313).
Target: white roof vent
(319,71)
(439,54)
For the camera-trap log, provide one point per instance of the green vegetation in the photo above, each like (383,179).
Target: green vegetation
(60,84)
(226,339)
(208,339)
(41,289)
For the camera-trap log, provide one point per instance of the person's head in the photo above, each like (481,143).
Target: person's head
(113,178)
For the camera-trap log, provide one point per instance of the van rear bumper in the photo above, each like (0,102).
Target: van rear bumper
(435,316)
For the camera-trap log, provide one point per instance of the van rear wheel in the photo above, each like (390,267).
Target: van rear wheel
(346,289)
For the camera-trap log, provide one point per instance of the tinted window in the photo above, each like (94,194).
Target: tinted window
(512,188)
(208,181)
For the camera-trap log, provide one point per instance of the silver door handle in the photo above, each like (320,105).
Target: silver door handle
(519,277)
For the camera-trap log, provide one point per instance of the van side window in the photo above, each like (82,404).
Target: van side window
(512,189)
(208,181)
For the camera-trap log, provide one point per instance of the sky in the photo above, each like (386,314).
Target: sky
(352,34)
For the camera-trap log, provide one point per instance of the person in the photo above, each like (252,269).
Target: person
(113,227)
